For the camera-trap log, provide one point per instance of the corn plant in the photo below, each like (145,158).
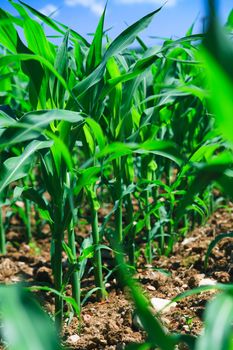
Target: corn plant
(51,165)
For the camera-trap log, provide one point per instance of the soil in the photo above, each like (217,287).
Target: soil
(111,324)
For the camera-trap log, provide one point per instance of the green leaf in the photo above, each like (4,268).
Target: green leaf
(11,40)
(204,152)
(8,34)
(115,97)
(229,23)
(61,65)
(34,196)
(145,346)
(92,79)
(206,173)
(166,149)
(128,36)
(190,340)
(94,56)
(60,151)
(139,68)
(226,182)
(69,300)
(25,325)
(9,59)
(218,55)
(213,243)
(87,253)
(33,124)
(36,39)
(221,95)
(117,46)
(54,24)
(16,168)
(37,198)
(218,324)
(85,178)
(97,132)
(89,294)
(71,257)
(93,200)
(219,287)
(5,120)
(47,20)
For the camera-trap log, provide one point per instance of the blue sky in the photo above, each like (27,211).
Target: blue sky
(173,21)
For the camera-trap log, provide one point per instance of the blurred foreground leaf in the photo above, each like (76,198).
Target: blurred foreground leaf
(218,334)
(25,325)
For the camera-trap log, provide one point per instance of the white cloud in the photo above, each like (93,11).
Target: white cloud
(49,10)
(153,2)
(95,6)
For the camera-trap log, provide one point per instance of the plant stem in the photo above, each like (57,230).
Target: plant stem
(117,195)
(145,174)
(28,225)
(128,176)
(75,278)
(2,234)
(148,227)
(131,233)
(57,266)
(97,259)
(38,221)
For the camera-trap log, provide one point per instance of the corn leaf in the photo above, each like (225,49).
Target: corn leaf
(218,55)
(95,51)
(32,125)
(8,34)
(139,68)
(218,324)
(55,24)
(213,243)
(128,36)
(25,325)
(117,46)
(16,168)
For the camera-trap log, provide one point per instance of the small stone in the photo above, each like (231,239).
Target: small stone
(73,339)
(186,328)
(27,248)
(207,282)
(15,279)
(86,318)
(163,305)
(189,240)
(148,266)
(151,288)
(102,342)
